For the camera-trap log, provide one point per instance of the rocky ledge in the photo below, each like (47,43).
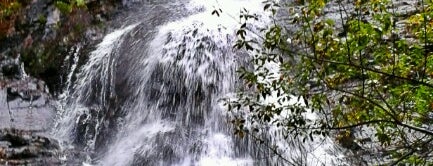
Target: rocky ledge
(19,147)
(27,113)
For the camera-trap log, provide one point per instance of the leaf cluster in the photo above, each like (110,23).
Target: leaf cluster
(66,6)
(358,71)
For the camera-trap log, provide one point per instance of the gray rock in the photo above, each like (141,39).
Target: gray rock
(26,115)
(24,104)
(20,147)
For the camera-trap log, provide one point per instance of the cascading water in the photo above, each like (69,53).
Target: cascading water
(174,112)
(84,105)
(151,96)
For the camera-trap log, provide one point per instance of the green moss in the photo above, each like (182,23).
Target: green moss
(8,8)
(64,7)
(80,3)
(42,19)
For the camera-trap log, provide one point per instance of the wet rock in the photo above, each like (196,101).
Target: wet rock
(25,104)
(86,126)
(10,70)
(20,147)
(38,41)
(26,114)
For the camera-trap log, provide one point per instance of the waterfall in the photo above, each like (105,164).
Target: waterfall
(93,83)
(150,92)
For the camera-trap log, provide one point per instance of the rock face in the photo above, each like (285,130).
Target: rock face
(41,34)
(24,101)
(26,114)
(39,38)
(19,147)
(24,107)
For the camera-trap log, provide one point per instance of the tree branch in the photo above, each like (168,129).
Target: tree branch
(410,80)
(410,153)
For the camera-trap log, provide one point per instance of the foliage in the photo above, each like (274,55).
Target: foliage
(66,6)
(8,8)
(358,71)
(8,11)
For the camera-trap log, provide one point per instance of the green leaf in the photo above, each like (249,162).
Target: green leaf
(63,7)
(81,3)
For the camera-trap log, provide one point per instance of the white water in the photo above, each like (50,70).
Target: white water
(207,61)
(94,71)
(72,68)
(172,115)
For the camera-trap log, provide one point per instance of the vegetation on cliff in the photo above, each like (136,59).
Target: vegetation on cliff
(42,33)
